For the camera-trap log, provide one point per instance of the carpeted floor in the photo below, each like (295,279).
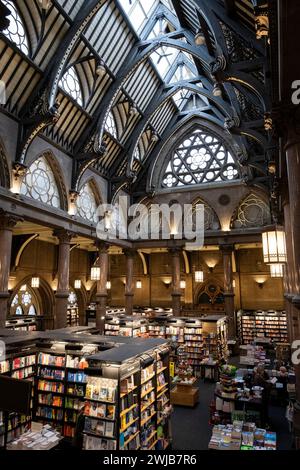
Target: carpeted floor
(191,430)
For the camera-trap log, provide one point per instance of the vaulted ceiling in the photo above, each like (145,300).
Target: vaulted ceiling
(109,82)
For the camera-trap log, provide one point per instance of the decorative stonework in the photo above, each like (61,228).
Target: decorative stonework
(251,212)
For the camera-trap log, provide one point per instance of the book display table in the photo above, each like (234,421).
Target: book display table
(185,394)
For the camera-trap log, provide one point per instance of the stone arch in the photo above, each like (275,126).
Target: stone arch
(52,161)
(193,124)
(211,219)
(45,300)
(209,295)
(252,211)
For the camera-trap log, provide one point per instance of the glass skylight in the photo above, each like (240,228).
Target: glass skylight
(139,11)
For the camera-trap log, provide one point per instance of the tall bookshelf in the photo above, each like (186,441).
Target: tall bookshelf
(19,365)
(127,399)
(262,324)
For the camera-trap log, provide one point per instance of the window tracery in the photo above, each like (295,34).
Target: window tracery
(16,32)
(200,158)
(39,183)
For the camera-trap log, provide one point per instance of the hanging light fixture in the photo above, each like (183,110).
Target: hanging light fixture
(199,38)
(138,284)
(199,276)
(95,273)
(100,69)
(217,92)
(35,282)
(276,270)
(274,246)
(77,284)
(108,285)
(182,284)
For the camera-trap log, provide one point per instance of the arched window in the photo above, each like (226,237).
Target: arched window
(16,31)
(110,126)
(86,204)
(251,212)
(39,183)
(200,158)
(24,302)
(71,85)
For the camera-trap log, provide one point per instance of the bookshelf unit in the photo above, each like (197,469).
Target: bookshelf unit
(19,364)
(130,327)
(201,338)
(72,316)
(127,398)
(270,324)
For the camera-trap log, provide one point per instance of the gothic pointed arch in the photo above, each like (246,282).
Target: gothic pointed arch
(253,211)
(88,201)
(44,182)
(198,153)
(211,219)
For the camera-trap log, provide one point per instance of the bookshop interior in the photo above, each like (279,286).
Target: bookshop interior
(119,332)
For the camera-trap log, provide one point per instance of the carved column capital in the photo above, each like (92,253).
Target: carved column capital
(102,246)
(8,221)
(64,236)
(226,248)
(175,251)
(129,253)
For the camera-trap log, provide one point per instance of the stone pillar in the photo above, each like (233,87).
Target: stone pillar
(289,275)
(227,251)
(292,149)
(7,223)
(63,271)
(129,288)
(101,294)
(176,291)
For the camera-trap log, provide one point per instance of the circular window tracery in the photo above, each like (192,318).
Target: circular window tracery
(201,158)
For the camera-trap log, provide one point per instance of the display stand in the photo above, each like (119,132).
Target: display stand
(185,394)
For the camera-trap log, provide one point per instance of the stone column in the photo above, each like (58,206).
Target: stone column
(101,294)
(227,251)
(289,275)
(129,288)
(292,149)
(63,271)
(7,223)
(176,291)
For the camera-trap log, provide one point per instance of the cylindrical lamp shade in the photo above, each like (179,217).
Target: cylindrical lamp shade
(77,284)
(95,273)
(182,284)
(35,282)
(276,270)
(274,246)
(139,284)
(199,276)
(108,285)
